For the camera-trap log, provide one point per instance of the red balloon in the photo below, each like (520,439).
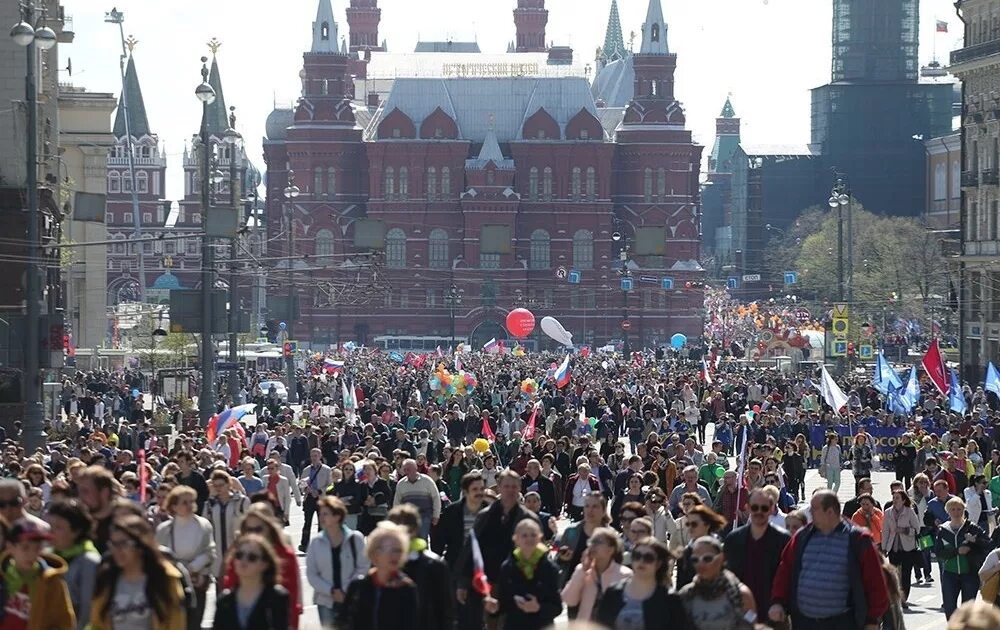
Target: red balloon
(520,322)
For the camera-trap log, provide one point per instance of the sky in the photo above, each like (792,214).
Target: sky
(767,54)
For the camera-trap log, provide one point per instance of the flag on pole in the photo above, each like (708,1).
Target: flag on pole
(885,375)
(529,430)
(933,364)
(480,583)
(942,26)
(487,431)
(956,399)
(832,394)
(330,366)
(911,395)
(562,375)
(895,403)
(143,476)
(705,375)
(491,345)
(992,379)
(348,395)
(458,363)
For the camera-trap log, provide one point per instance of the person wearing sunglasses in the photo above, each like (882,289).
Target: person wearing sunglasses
(700,521)
(716,599)
(258,602)
(753,551)
(644,599)
(191,540)
(136,586)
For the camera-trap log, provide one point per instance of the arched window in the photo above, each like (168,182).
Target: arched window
(404,183)
(395,249)
(655,33)
(438,246)
(432,183)
(575,184)
(126,182)
(647,185)
(331,181)
(317,181)
(547,183)
(583,249)
(446,182)
(114,182)
(591,183)
(540,245)
(142,182)
(390,183)
(661,184)
(533,183)
(324,244)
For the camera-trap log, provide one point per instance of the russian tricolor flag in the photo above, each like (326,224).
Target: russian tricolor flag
(332,367)
(492,345)
(562,375)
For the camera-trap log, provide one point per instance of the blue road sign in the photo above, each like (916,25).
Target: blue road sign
(574,277)
(732,282)
(667,283)
(791,277)
(648,279)
(626,284)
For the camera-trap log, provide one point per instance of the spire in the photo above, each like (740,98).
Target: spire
(654,31)
(727,109)
(614,42)
(218,115)
(491,148)
(324,32)
(132,97)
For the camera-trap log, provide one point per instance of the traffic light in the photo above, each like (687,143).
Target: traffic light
(286,349)
(65,342)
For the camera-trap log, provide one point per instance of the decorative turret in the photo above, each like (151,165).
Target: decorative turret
(654,31)
(654,64)
(218,114)
(132,99)
(324,29)
(363,17)
(614,42)
(727,124)
(530,19)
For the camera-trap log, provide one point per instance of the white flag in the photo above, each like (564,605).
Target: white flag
(832,394)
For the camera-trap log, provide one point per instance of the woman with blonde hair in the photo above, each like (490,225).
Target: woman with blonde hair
(384,597)
(190,538)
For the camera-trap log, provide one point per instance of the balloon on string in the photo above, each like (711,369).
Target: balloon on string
(520,322)
(481,445)
(555,330)
(678,341)
(135,393)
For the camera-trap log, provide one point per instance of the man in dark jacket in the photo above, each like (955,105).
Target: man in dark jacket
(753,551)
(533,481)
(449,535)
(428,571)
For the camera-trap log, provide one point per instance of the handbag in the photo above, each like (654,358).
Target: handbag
(925,542)
(991,588)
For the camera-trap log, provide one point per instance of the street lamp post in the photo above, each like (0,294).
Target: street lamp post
(291,192)
(840,198)
(33,39)
(235,142)
(206,394)
(453,299)
(619,236)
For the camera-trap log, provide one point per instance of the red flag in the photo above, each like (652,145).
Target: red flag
(933,364)
(143,476)
(480,583)
(488,432)
(529,431)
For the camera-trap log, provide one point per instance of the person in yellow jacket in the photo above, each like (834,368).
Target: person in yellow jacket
(35,596)
(136,586)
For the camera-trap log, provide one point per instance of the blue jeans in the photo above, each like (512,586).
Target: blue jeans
(327,616)
(955,584)
(833,478)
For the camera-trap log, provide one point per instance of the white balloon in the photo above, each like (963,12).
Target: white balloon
(552,328)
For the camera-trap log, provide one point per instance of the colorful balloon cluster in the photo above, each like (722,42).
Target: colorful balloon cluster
(444,384)
(529,387)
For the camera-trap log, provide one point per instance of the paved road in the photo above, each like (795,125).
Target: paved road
(925,600)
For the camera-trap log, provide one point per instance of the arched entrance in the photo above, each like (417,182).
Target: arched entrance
(482,333)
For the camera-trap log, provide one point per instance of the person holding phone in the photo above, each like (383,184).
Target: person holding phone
(527,593)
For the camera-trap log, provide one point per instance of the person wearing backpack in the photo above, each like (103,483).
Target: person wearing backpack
(335,556)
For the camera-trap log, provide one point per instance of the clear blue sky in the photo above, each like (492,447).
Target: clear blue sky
(767,53)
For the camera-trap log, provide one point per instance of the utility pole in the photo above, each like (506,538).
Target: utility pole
(25,34)
(233,139)
(206,395)
(291,192)
(117,17)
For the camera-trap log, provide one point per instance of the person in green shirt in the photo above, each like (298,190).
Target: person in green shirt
(710,473)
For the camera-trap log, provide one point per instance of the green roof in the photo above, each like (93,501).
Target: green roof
(218,115)
(132,98)
(727,110)
(614,42)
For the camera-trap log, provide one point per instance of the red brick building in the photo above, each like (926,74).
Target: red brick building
(502,182)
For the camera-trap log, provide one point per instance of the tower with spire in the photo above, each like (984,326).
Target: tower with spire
(716,193)
(149,181)
(614,42)
(363,17)
(530,19)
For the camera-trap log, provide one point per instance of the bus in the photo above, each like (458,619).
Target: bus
(404,343)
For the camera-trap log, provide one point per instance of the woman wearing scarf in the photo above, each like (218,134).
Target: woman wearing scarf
(716,599)
(527,592)
(71,525)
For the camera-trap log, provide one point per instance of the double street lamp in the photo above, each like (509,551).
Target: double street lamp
(625,272)
(840,198)
(453,298)
(25,34)
(291,192)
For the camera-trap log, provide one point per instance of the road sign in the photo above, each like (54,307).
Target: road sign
(226,366)
(840,324)
(626,284)
(667,284)
(839,327)
(840,311)
(802,314)
(791,277)
(561,273)
(649,279)
(574,277)
(732,282)
(751,277)
(839,348)
(865,351)
(626,324)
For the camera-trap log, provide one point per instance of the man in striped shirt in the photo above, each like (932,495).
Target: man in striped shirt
(420,491)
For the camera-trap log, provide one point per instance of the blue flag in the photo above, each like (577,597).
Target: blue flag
(956,399)
(911,395)
(885,376)
(992,379)
(894,402)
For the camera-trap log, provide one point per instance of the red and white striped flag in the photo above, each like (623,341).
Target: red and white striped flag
(480,583)
(705,374)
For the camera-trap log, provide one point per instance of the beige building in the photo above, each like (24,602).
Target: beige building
(944,178)
(977,65)
(85,138)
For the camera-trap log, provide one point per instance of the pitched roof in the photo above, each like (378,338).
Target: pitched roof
(614,42)
(615,83)
(472,101)
(727,110)
(132,97)
(490,153)
(654,31)
(218,114)
(324,29)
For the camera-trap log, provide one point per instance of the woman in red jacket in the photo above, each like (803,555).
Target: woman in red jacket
(260,520)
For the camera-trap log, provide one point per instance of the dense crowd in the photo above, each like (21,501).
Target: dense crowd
(645,494)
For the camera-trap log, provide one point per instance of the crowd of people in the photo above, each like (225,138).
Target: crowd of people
(641,495)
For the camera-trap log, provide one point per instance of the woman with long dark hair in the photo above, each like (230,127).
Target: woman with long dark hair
(644,599)
(258,602)
(136,586)
(700,521)
(377,500)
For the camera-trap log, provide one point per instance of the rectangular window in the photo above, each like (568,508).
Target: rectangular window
(127,218)
(147,218)
(404,298)
(489,261)
(431,298)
